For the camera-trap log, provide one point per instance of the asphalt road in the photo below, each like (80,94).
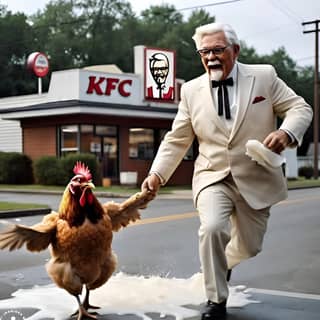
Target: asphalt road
(166,244)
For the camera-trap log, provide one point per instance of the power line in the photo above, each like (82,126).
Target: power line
(305,58)
(267,31)
(289,13)
(208,5)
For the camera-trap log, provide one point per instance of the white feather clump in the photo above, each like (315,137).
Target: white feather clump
(264,156)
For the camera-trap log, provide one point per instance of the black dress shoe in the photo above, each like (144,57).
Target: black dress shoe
(229,274)
(214,311)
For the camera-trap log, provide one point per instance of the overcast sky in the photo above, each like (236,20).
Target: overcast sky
(263,24)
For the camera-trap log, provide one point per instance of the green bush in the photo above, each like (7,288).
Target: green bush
(15,168)
(48,171)
(88,159)
(306,171)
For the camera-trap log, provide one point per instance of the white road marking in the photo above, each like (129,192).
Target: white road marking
(285,293)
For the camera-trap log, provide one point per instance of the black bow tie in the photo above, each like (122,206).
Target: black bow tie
(222,86)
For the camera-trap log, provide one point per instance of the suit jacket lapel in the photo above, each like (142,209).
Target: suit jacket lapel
(206,91)
(245,84)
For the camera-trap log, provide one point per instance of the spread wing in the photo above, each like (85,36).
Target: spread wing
(121,214)
(36,238)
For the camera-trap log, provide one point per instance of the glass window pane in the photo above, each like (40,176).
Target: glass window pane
(141,143)
(106,131)
(89,143)
(69,139)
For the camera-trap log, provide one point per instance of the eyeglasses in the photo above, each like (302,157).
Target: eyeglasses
(216,51)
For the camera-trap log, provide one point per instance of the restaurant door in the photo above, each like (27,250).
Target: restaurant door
(109,151)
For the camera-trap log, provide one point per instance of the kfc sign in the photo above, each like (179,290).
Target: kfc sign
(110,87)
(105,86)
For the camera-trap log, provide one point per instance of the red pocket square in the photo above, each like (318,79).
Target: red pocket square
(258,99)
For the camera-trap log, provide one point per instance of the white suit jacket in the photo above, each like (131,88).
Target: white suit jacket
(262,96)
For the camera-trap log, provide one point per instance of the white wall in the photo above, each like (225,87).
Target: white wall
(10,136)
(10,130)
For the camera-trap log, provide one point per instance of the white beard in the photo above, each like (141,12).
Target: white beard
(216,75)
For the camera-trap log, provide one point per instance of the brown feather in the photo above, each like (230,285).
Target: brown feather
(36,238)
(122,214)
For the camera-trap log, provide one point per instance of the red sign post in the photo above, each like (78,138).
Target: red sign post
(38,63)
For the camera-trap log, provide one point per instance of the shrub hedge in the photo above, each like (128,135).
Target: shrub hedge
(15,168)
(58,171)
(306,171)
(48,171)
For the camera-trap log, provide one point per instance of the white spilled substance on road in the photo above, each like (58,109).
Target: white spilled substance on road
(125,294)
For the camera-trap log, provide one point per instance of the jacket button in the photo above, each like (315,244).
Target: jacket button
(229,146)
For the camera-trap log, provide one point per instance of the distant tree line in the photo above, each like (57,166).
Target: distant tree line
(79,33)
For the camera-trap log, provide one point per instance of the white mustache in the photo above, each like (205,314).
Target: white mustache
(213,63)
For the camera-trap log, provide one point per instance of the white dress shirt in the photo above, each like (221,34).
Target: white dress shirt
(233,97)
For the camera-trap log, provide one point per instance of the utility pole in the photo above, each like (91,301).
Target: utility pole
(316,30)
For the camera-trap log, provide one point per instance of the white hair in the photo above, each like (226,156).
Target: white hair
(211,28)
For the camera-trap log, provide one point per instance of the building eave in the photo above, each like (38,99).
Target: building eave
(67,107)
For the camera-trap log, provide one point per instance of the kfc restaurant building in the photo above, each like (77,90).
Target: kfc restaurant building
(119,117)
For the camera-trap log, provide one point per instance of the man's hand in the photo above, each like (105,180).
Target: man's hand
(277,141)
(151,183)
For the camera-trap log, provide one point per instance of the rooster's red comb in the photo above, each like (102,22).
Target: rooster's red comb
(81,168)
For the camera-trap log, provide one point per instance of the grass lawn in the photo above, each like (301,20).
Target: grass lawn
(303,183)
(7,206)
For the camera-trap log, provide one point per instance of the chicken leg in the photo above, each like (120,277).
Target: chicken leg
(86,303)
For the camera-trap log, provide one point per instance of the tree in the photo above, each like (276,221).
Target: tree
(164,28)
(58,32)
(15,43)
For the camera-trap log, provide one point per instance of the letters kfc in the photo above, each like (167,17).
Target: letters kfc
(105,86)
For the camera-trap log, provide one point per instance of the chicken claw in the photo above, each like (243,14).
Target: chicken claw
(82,312)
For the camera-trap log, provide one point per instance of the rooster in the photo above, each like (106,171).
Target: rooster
(79,235)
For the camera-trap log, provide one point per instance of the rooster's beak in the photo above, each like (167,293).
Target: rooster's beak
(89,185)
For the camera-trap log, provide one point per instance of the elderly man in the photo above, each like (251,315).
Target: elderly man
(225,107)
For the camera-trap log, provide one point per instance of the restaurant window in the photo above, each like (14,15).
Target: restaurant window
(144,143)
(96,139)
(141,143)
(69,139)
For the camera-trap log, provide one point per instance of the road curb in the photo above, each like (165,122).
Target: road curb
(24,213)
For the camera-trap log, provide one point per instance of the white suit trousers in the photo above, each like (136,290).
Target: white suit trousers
(230,231)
